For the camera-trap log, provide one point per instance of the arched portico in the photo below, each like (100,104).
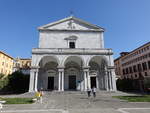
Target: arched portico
(45,75)
(48,73)
(73,73)
(101,73)
(76,72)
(97,72)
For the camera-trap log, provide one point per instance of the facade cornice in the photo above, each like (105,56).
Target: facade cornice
(68,51)
(72,30)
(44,27)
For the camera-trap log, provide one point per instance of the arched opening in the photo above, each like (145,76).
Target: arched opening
(73,73)
(97,72)
(48,74)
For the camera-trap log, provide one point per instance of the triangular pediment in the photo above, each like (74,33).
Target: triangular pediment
(70,23)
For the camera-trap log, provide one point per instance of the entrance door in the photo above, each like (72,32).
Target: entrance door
(50,83)
(93,82)
(72,82)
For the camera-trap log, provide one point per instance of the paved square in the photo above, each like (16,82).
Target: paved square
(78,102)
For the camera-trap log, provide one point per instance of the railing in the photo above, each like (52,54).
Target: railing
(72,51)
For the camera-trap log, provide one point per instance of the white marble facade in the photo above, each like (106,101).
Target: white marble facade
(71,56)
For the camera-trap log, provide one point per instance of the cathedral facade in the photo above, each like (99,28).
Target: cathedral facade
(71,56)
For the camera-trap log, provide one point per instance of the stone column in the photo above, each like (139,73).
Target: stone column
(106,80)
(112,78)
(36,80)
(31,84)
(97,82)
(85,81)
(33,79)
(62,74)
(109,81)
(59,80)
(112,73)
(88,79)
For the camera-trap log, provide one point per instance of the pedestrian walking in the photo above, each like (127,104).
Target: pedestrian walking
(89,92)
(94,91)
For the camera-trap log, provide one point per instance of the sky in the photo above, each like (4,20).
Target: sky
(127,22)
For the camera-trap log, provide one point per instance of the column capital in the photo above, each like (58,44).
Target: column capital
(60,69)
(86,68)
(110,67)
(35,67)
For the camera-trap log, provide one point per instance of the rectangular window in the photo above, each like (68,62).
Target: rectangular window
(149,64)
(144,66)
(71,44)
(134,68)
(145,73)
(127,71)
(123,71)
(139,67)
(130,68)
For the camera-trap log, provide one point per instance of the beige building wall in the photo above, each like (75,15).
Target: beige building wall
(21,64)
(6,63)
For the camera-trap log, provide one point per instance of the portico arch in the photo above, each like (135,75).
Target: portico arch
(97,71)
(73,73)
(48,73)
(78,59)
(44,59)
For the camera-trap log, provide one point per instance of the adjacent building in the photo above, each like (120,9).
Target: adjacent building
(134,64)
(118,67)
(6,63)
(22,64)
(71,56)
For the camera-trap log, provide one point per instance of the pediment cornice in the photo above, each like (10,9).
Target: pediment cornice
(71,25)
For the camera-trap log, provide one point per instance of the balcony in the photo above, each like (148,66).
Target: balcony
(72,51)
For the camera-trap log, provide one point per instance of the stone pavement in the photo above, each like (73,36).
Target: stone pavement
(78,102)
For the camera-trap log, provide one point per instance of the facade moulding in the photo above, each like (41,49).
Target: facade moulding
(78,51)
(62,30)
(110,67)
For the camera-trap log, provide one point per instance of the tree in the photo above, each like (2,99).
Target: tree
(1,75)
(18,82)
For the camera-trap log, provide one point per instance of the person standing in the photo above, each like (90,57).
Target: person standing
(94,91)
(41,94)
(89,92)
(37,94)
